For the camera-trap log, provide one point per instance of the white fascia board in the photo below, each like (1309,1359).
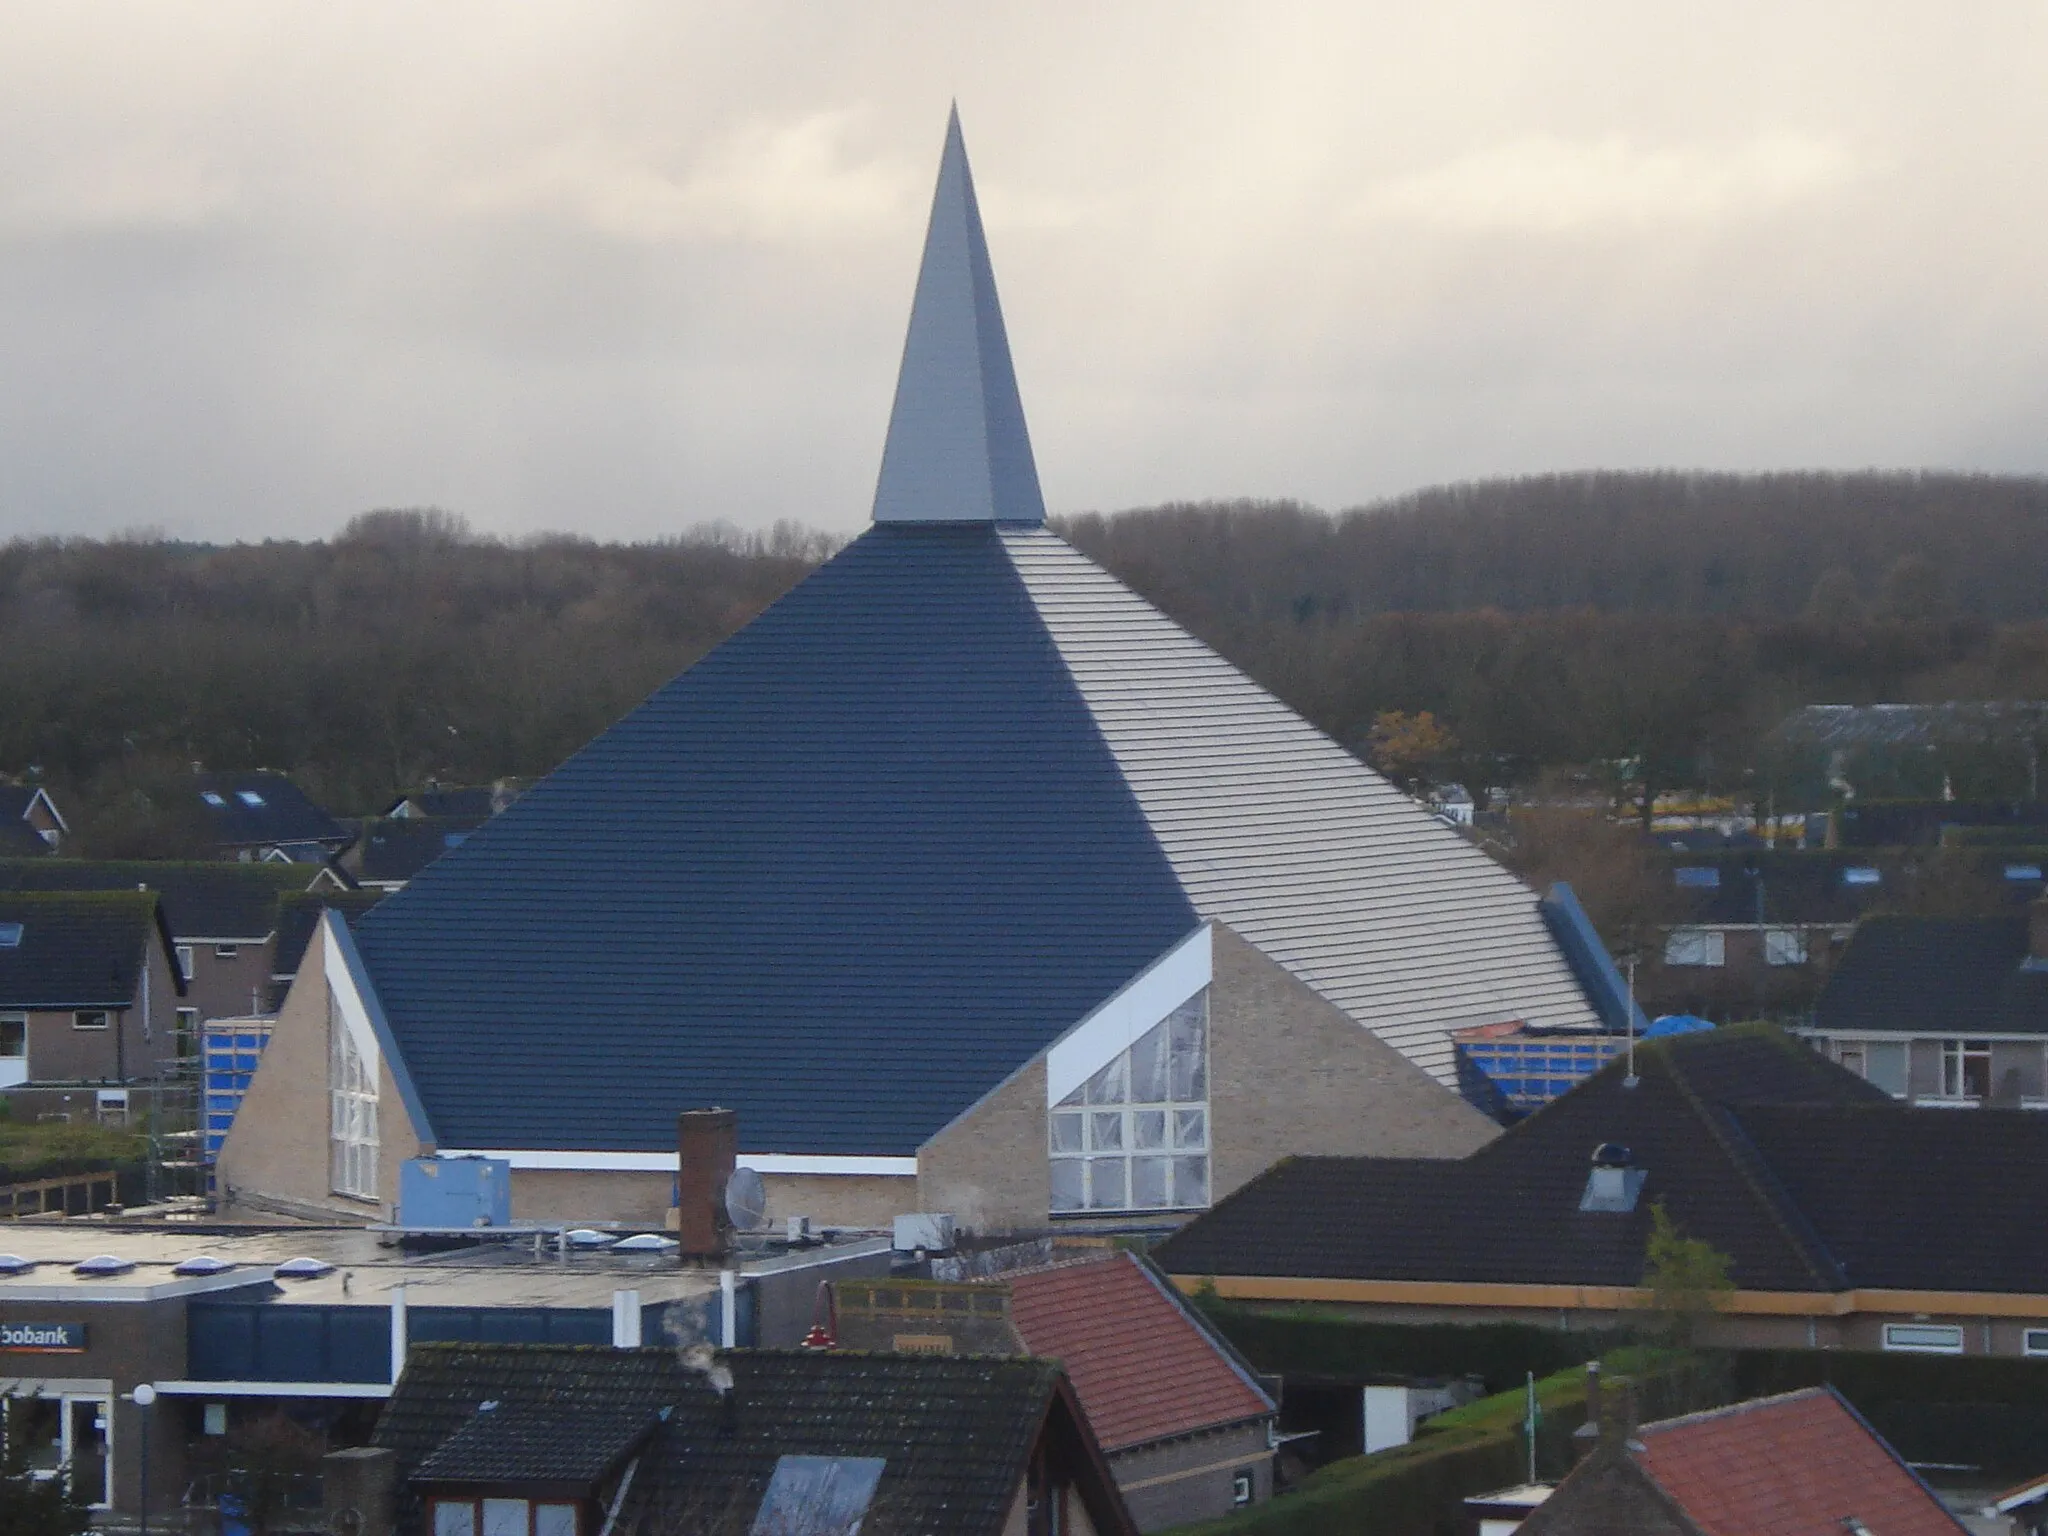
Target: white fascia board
(274,1388)
(665,1162)
(362,1014)
(1141,1003)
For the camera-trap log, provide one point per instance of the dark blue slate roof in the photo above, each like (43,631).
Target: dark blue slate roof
(844,875)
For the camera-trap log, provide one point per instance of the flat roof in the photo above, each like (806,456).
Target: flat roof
(365,1271)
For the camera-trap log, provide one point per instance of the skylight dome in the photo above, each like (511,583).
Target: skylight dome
(15,1264)
(303,1268)
(103,1264)
(202,1264)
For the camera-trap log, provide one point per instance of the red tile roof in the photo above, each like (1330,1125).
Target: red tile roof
(1799,1465)
(1143,1368)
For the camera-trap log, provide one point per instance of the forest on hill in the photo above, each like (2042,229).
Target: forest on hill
(1661,618)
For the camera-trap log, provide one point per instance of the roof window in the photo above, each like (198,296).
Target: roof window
(1615,1183)
(214,798)
(302,1269)
(15,1264)
(1698,877)
(202,1264)
(1861,874)
(2022,871)
(10,935)
(103,1264)
(250,798)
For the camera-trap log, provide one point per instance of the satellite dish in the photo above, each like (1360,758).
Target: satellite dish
(746,1199)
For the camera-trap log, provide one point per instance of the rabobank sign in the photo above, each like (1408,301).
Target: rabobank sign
(44,1338)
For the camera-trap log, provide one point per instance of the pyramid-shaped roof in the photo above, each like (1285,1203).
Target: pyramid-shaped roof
(913,824)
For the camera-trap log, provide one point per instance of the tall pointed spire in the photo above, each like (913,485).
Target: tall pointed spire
(957,449)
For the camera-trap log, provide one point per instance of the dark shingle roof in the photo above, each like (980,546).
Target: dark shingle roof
(1926,975)
(298,915)
(279,813)
(202,899)
(1516,1200)
(1917,1199)
(954,1433)
(475,801)
(1798,887)
(538,1442)
(843,875)
(76,951)
(399,847)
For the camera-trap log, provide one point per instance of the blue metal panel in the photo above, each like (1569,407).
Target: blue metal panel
(229,1051)
(265,1341)
(455,1192)
(844,876)
(1587,956)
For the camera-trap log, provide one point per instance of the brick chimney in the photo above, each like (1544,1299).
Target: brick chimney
(2037,931)
(707,1146)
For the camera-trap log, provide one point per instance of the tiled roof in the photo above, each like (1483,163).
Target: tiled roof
(76,950)
(1926,1199)
(209,899)
(785,882)
(476,801)
(538,1442)
(1142,1366)
(299,914)
(1516,1200)
(1799,1465)
(399,847)
(279,813)
(1798,887)
(1299,847)
(955,1433)
(1927,975)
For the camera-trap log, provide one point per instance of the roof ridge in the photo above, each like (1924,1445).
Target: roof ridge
(1729,1410)
(1749,1164)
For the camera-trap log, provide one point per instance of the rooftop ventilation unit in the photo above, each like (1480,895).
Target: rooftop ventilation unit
(1615,1183)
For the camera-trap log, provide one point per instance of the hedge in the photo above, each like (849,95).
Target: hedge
(1310,1343)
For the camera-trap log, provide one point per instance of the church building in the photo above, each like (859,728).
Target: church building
(967,879)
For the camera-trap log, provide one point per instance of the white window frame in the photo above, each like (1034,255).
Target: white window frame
(186,957)
(67,1450)
(1100,1130)
(1956,1055)
(473,1506)
(352,1111)
(104,1015)
(1923,1338)
(2034,1342)
(1696,946)
(1785,946)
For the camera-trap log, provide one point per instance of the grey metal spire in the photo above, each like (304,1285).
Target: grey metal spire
(957,449)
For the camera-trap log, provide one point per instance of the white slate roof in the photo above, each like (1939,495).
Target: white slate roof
(1275,830)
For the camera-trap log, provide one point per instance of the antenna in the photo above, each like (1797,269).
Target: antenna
(1631,1080)
(746,1199)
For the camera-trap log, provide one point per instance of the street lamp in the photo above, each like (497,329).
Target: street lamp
(143,1395)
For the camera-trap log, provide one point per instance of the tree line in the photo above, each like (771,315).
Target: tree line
(1657,623)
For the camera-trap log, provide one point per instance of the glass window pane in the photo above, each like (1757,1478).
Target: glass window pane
(1105,1183)
(1066,1133)
(1148,1183)
(1148,1128)
(455,1519)
(1148,1067)
(1190,1181)
(1106,1132)
(1191,1129)
(1190,1065)
(1066,1183)
(1108,1086)
(554,1520)
(504,1517)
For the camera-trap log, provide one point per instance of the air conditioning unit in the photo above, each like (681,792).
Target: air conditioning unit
(929,1231)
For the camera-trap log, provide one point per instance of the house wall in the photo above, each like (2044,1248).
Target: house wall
(277,1151)
(1188,1479)
(222,989)
(1289,1073)
(125,1051)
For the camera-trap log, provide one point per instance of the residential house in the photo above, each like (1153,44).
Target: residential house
(1849,1221)
(965,877)
(566,1441)
(30,823)
(89,989)
(470,802)
(1955,751)
(1803,1464)
(391,850)
(298,919)
(1186,1425)
(1949,1011)
(223,920)
(264,815)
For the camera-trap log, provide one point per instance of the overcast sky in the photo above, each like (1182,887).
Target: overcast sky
(620,268)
